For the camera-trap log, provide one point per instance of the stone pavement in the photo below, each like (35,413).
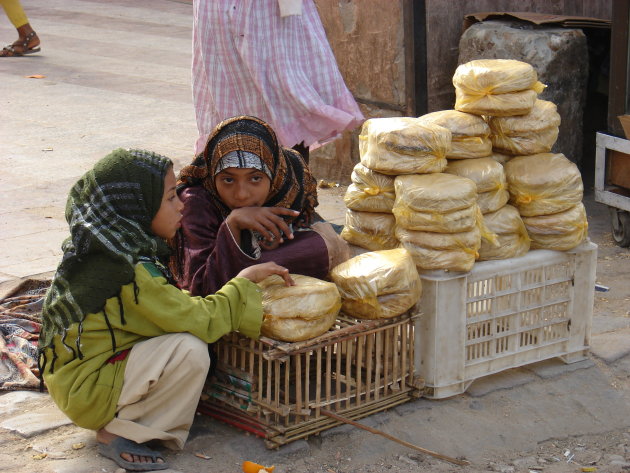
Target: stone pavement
(117,74)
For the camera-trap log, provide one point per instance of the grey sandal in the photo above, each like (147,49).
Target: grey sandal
(122,445)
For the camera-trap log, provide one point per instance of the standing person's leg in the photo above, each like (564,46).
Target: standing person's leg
(27,42)
(164,377)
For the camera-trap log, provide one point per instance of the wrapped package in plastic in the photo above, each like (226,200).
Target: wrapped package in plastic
(360,200)
(403,145)
(378,284)
(500,105)
(440,241)
(511,245)
(452,260)
(438,192)
(560,231)
(489,177)
(370,230)
(366,179)
(470,133)
(300,312)
(496,76)
(486,173)
(500,158)
(543,184)
(512,238)
(370,191)
(456,221)
(532,133)
(492,201)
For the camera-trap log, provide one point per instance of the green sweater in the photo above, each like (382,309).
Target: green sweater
(87,389)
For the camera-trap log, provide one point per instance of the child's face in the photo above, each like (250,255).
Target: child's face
(242,187)
(166,221)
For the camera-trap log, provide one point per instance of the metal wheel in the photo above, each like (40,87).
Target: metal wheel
(620,224)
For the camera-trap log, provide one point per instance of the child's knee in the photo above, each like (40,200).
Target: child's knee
(194,351)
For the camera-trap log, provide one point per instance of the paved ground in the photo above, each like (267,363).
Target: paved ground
(117,75)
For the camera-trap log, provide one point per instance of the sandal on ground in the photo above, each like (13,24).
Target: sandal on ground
(10,51)
(120,445)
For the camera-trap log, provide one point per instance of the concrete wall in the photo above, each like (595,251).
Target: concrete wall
(368,40)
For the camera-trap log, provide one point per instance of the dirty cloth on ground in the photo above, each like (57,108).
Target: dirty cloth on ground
(20,324)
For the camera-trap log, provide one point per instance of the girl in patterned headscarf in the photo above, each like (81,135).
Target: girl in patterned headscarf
(122,350)
(248,200)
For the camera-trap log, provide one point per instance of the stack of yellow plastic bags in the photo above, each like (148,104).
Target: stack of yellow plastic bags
(500,220)
(545,188)
(369,219)
(496,87)
(437,185)
(388,147)
(437,220)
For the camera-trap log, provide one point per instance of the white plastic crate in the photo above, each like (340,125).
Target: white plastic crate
(503,314)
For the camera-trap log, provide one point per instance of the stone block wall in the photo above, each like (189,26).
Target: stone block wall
(560,57)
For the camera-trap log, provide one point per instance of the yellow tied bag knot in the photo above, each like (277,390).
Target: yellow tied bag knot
(372,190)
(538,87)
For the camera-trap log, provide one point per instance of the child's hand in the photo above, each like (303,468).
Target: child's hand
(267,221)
(258,272)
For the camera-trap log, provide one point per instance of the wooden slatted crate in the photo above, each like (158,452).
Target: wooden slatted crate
(276,390)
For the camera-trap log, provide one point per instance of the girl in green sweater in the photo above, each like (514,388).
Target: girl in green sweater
(123,351)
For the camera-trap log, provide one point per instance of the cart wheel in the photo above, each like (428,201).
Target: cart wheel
(620,223)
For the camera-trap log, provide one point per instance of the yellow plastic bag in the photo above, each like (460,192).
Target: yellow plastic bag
(470,133)
(452,260)
(300,312)
(499,105)
(403,145)
(438,192)
(441,241)
(561,231)
(378,284)
(496,76)
(486,173)
(500,158)
(512,238)
(532,133)
(543,184)
(370,191)
(492,201)
(456,221)
(369,230)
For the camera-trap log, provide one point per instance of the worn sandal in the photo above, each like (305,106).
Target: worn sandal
(10,51)
(122,445)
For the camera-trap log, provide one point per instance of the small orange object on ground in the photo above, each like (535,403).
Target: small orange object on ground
(251,467)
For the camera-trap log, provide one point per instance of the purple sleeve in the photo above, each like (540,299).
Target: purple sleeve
(212,257)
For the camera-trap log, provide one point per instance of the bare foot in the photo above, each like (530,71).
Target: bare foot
(105,437)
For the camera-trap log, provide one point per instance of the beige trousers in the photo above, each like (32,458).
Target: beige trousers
(163,382)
